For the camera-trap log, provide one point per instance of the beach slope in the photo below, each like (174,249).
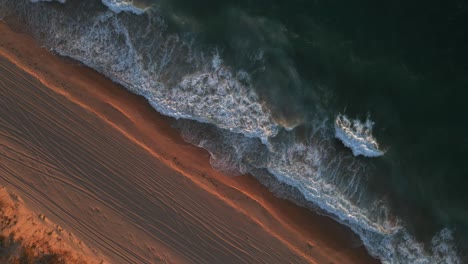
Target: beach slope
(101,163)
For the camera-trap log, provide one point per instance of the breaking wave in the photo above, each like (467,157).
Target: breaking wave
(312,174)
(36,1)
(123,6)
(218,108)
(116,6)
(177,80)
(357,136)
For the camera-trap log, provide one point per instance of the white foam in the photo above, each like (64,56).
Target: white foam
(210,92)
(118,6)
(357,136)
(325,178)
(36,1)
(319,173)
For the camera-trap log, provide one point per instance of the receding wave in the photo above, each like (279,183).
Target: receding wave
(218,108)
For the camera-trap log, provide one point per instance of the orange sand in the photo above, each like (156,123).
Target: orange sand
(38,234)
(99,126)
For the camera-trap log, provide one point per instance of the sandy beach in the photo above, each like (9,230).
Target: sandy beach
(101,163)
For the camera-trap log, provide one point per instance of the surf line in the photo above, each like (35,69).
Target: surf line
(20,63)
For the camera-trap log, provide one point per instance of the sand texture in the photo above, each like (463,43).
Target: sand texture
(99,162)
(27,237)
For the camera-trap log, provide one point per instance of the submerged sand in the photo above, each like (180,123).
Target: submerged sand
(101,163)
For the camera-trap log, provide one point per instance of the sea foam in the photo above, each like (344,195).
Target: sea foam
(316,172)
(182,80)
(357,136)
(116,6)
(123,6)
(36,1)
(177,80)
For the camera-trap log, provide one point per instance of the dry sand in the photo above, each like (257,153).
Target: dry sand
(27,237)
(101,163)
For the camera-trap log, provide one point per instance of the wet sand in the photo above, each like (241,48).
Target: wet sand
(100,162)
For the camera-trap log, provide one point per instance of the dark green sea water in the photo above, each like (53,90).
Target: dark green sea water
(402,64)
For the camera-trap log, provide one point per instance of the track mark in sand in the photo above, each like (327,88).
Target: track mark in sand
(167,162)
(126,182)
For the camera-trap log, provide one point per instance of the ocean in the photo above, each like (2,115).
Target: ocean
(354,110)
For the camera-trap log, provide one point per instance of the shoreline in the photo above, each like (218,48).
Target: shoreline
(312,237)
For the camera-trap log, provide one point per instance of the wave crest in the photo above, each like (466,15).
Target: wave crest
(186,81)
(37,1)
(177,79)
(118,6)
(357,136)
